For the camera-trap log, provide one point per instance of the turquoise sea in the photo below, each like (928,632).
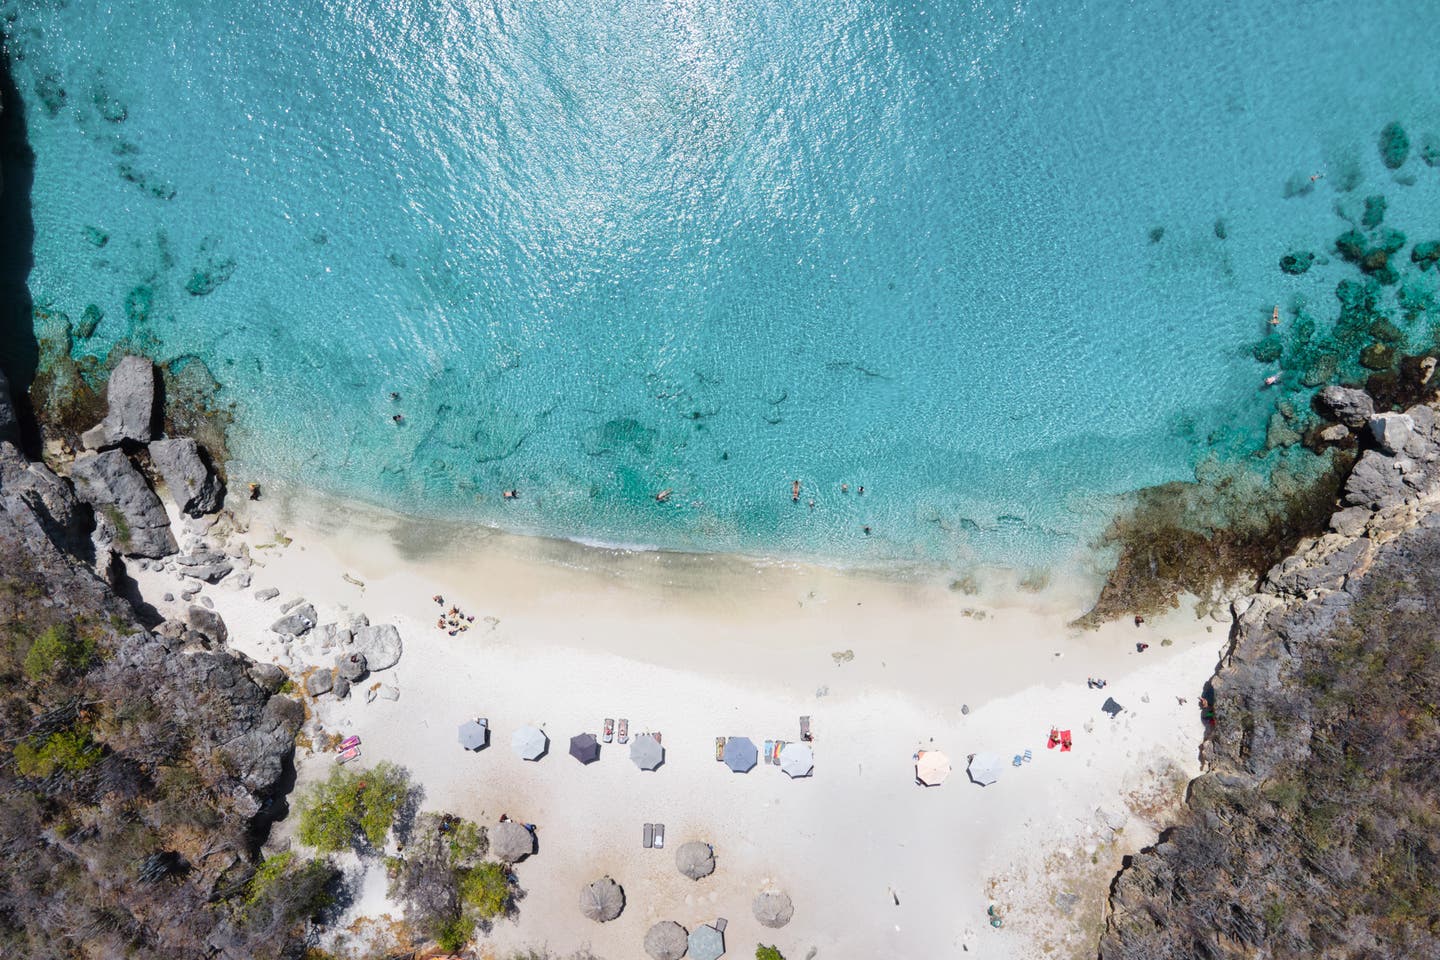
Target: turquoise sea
(999,263)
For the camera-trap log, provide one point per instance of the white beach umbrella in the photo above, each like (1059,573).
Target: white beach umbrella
(529,742)
(472,735)
(646,751)
(931,767)
(985,768)
(797,759)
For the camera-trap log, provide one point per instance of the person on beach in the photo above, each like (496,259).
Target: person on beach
(1141,647)
(254,491)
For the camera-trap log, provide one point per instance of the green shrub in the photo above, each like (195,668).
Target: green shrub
(763,952)
(351,806)
(60,647)
(70,750)
(454,935)
(486,890)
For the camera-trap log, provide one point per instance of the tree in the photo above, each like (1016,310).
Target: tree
(446,885)
(60,647)
(763,952)
(353,807)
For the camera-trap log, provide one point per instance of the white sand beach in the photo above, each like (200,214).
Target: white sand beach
(699,647)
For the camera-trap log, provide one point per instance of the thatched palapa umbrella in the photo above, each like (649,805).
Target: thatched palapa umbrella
(695,859)
(667,940)
(510,841)
(706,943)
(773,908)
(646,751)
(602,900)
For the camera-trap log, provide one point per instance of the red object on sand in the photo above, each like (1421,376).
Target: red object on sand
(1065,741)
(1054,740)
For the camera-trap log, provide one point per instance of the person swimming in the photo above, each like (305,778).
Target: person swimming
(795,492)
(511,494)
(1275,317)
(1271,380)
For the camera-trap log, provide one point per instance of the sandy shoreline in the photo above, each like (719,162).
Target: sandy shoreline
(699,647)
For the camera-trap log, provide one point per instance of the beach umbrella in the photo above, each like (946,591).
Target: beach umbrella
(529,742)
(985,768)
(510,841)
(1111,707)
(667,940)
(740,754)
(773,908)
(931,767)
(473,734)
(797,759)
(706,943)
(602,900)
(695,859)
(646,751)
(585,748)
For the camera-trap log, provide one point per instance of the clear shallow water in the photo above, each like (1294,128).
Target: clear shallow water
(604,249)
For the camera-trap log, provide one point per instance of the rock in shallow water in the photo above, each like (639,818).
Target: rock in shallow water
(194,487)
(130,395)
(1354,408)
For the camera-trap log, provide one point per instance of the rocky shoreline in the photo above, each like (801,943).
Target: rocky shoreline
(1322,742)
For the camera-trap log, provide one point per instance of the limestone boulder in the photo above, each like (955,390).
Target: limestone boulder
(131,411)
(208,623)
(193,485)
(1391,431)
(298,622)
(379,644)
(110,483)
(1353,408)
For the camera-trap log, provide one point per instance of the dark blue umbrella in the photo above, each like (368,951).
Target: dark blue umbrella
(585,748)
(740,754)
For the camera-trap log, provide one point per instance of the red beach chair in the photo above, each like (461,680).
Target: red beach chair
(1065,741)
(351,754)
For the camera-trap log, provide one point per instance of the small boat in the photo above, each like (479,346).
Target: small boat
(624,736)
(610,730)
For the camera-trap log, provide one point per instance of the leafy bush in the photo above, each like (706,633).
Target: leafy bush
(285,892)
(446,886)
(69,750)
(353,806)
(486,889)
(763,952)
(59,647)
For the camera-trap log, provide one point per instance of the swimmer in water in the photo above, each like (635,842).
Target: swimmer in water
(1270,381)
(1275,317)
(795,492)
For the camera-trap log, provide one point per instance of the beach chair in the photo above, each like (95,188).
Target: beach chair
(721,923)
(347,755)
(720,749)
(1029,755)
(649,835)
(659,836)
(1017,761)
(610,730)
(775,756)
(769,748)
(624,730)
(1054,740)
(805,734)
(349,742)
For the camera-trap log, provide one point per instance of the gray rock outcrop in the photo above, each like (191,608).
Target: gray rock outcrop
(110,483)
(380,644)
(130,413)
(1307,743)
(207,565)
(1353,408)
(193,486)
(351,666)
(208,623)
(298,622)
(9,426)
(320,682)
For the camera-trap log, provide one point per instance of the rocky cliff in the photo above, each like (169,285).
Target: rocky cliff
(1315,829)
(138,768)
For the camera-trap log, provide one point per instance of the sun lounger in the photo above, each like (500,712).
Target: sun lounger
(1029,755)
(347,755)
(720,749)
(805,734)
(1017,761)
(649,835)
(659,835)
(769,748)
(610,730)
(624,731)
(349,742)
(1054,740)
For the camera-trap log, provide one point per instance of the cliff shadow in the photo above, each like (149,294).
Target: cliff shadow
(19,350)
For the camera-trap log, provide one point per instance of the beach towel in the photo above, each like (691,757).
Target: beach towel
(1064,741)
(1054,740)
